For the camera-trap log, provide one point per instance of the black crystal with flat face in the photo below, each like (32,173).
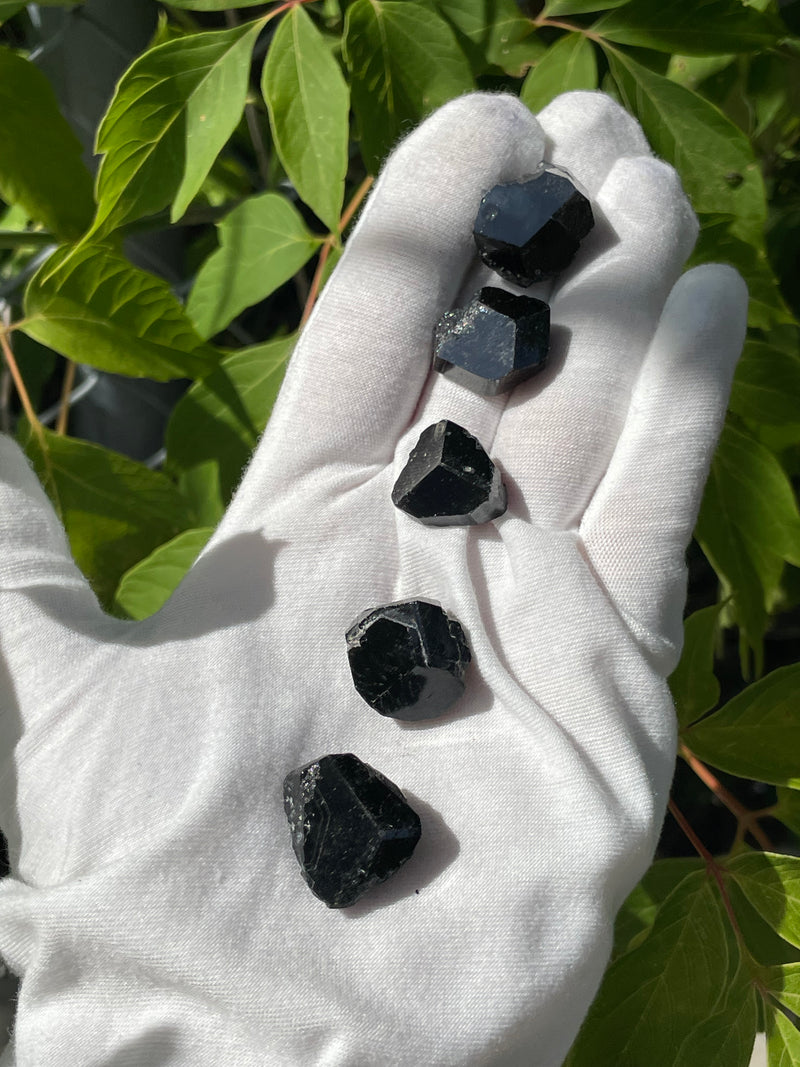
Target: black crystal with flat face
(449,480)
(351,827)
(494,343)
(528,231)
(408,660)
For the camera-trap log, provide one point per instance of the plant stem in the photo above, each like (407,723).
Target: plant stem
(747,820)
(541,21)
(66,391)
(330,241)
(714,869)
(22,392)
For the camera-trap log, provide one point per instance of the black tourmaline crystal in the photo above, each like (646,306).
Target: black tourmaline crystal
(408,660)
(494,343)
(449,480)
(351,827)
(528,231)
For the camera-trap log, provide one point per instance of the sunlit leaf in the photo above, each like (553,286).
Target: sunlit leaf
(638,912)
(263,242)
(114,509)
(174,109)
(221,418)
(92,306)
(726,1038)
(309,105)
(404,62)
(771,883)
(568,64)
(702,144)
(654,996)
(757,733)
(148,585)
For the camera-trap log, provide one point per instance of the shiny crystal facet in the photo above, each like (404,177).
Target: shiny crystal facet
(495,342)
(408,660)
(449,479)
(351,827)
(529,230)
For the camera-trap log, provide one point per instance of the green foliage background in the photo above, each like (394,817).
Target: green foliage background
(313,95)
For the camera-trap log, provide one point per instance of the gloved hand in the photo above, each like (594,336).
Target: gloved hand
(156,911)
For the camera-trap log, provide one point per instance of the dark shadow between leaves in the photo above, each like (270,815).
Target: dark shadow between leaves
(437,848)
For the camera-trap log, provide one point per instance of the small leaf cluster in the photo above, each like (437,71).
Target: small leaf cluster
(257,130)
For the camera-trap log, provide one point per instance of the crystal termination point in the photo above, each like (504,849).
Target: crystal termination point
(449,479)
(351,827)
(408,660)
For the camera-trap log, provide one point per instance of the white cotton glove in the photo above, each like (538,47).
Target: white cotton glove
(156,911)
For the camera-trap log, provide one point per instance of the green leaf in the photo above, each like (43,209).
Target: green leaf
(490,32)
(692,71)
(726,1038)
(788,809)
(220,419)
(656,994)
(638,912)
(263,242)
(173,111)
(148,585)
(757,733)
(784,984)
(766,386)
(200,485)
(115,510)
(783,1041)
(771,883)
(309,107)
(759,496)
(568,64)
(697,139)
(761,941)
(555,8)
(703,28)
(404,62)
(92,306)
(718,244)
(9,8)
(213,5)
(725,549)
(694,685)
(40,160)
